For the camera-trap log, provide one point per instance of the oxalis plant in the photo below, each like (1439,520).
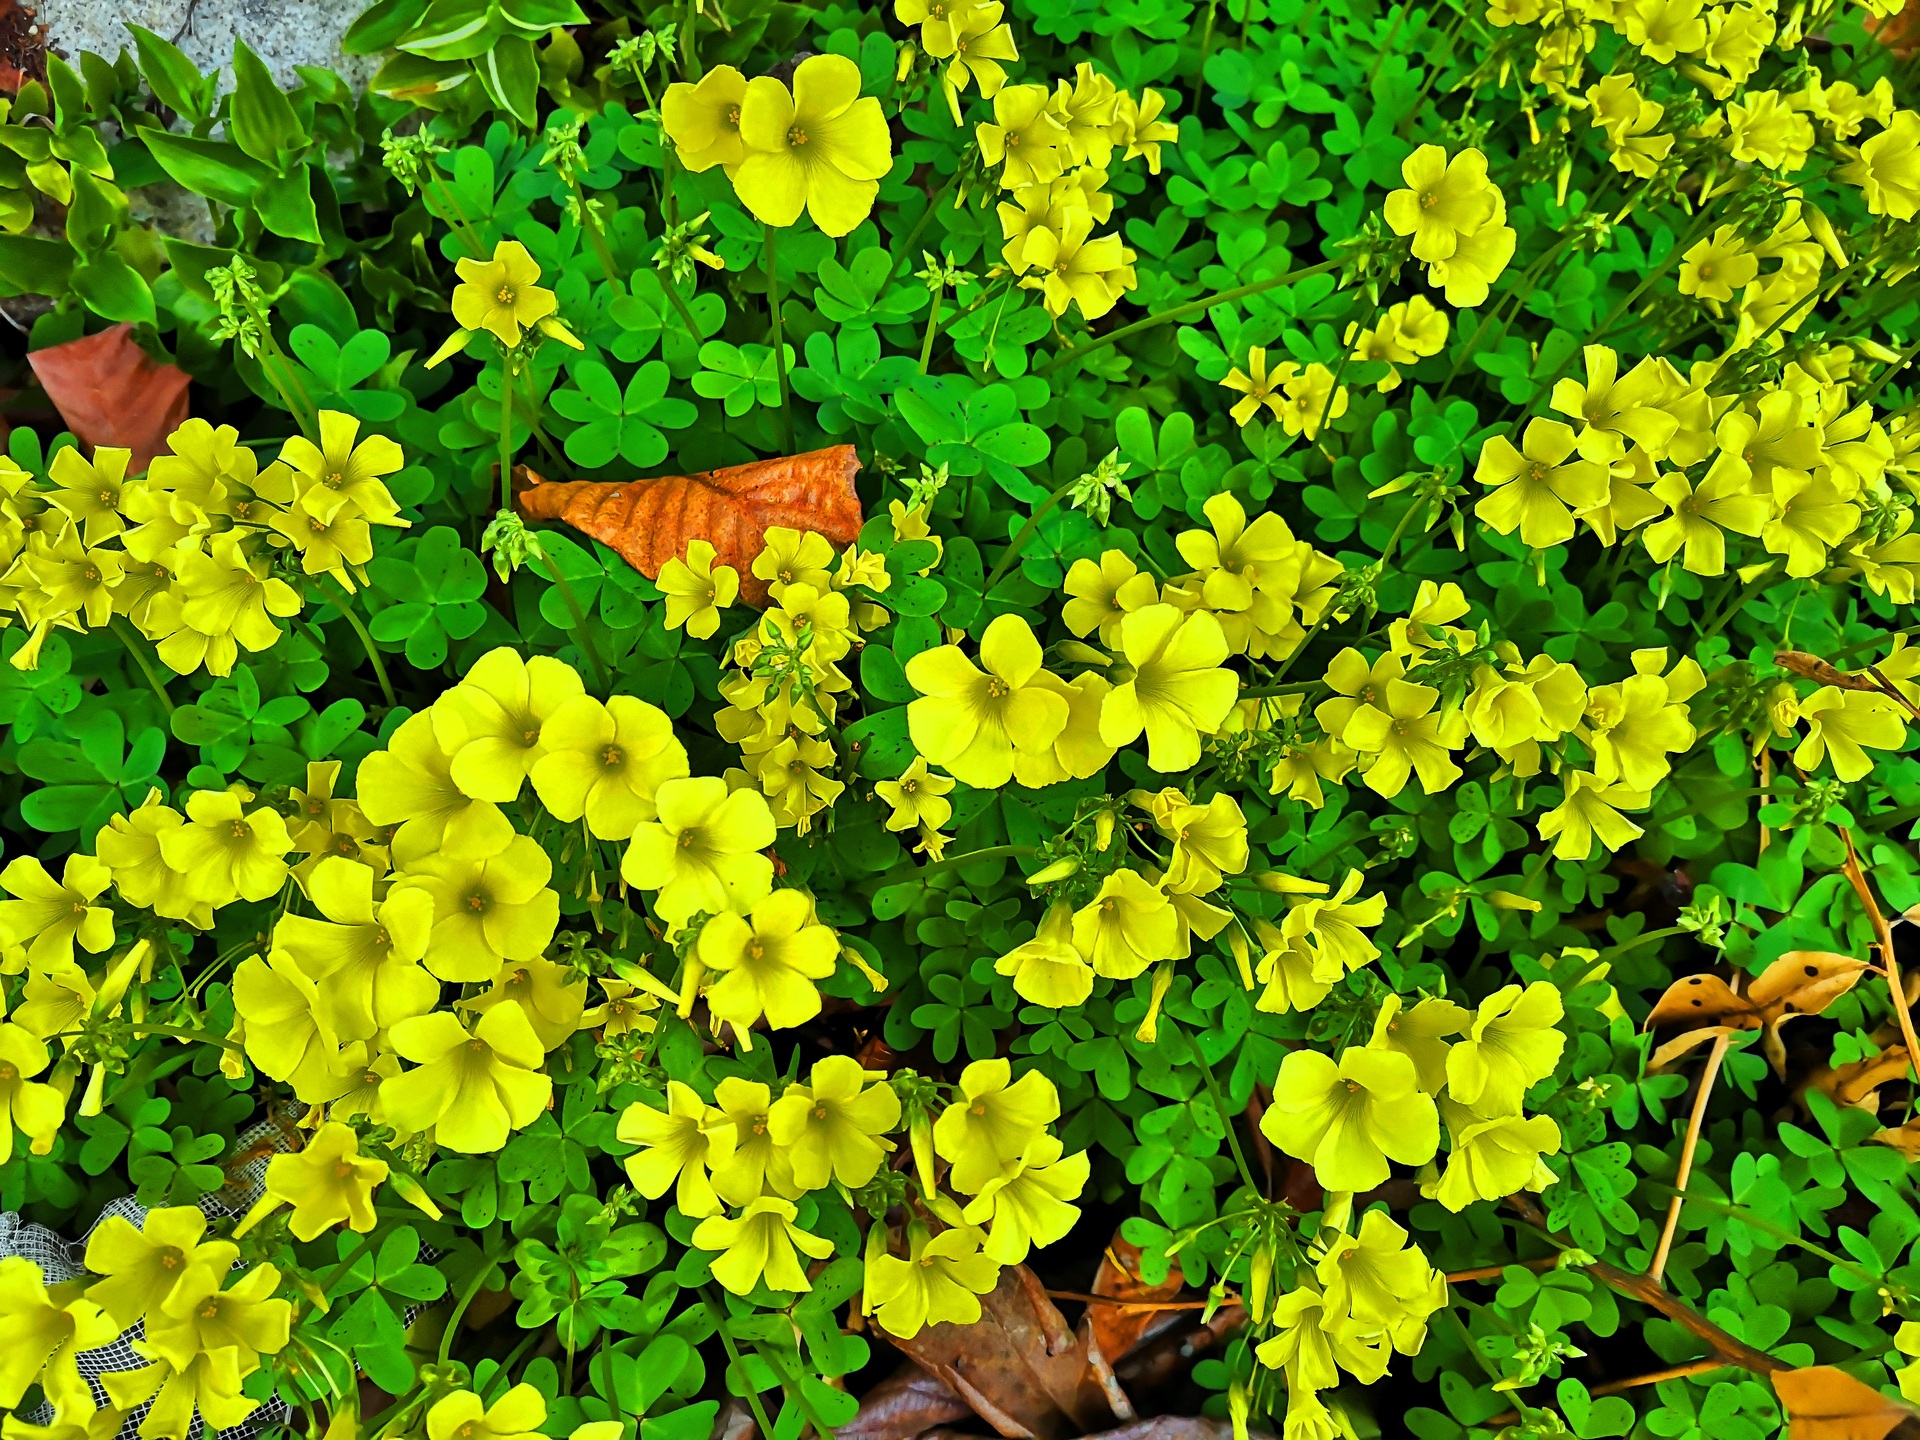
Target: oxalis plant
(1363,679)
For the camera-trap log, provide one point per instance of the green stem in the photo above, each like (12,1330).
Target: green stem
(733,1360)
(933,328)
(468,234)
(1191,307)
(905,252)
(1647,938)
(602,677)
(1025,533)
(596,236)
(1226,1120)
(460,1306)
(180,1032)
(1899,363)
(679,305)
(779,342)
(345,606)
(129,639)
(507,447)
(1298,687)
(954,862)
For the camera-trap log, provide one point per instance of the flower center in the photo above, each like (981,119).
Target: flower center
(611,757)
(238,829)
(479,902)
(333,480)
(796,137)
(998,689)
(343,1170)
(819,1112)
(507,295)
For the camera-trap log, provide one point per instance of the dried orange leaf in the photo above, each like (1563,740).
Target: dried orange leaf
(1687,1042)
(1855,1083)
(1825,1403)
(649,522)
(1803,982)
(111,392)
(1116,1329)
(1696,1000)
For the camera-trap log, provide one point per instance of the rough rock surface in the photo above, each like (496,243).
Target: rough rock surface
(283,33)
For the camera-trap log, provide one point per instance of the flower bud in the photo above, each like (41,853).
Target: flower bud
(1061,869)
(1507,900)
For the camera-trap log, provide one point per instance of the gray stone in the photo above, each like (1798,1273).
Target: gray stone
(283,33)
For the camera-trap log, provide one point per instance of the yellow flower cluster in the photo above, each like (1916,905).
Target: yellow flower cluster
(1054,149)
(1456,219)
(740,1165)
(783,698)
(1135,919)
(1383,1101)
(820,147)
(1360,1299)
(187,553)
(200,1336)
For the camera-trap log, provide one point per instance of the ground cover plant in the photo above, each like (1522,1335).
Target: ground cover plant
(713,709)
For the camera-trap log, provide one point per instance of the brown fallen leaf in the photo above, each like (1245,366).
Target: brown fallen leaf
(1800,982)
(1825,1403)
(1018,1367)
(649,522)
(1116,1329)
(111,392)
(1160,1427)
(907,1403)
(1858,1082)
(1904,1138)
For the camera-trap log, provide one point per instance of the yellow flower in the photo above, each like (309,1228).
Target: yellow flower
(794,557)
(979,43)
(703,852)
(501,296)
(1591,808)
(1716,267)
(1538,489)
(1420,1035)
(491,722)
(755,1165)
(606,762)
(552,996)
(1638,722)
(1510,1044)
(1138,126)
(227,849)
(411,784)
(343,472)
(917,797)
(43,1336)
(1256,387)
(938,1282)
(1349,1118)
(472,1089)
(1810,518)
(993,1120)
(760,1244)
(1764,129)
(486,910)
(822,148)
(516,1415)
(1887,168)
(678,1148)
(1126,927)
(244,1317)
(1466,276)
(1444,200)
(328,1183)
(834,1124)
(1049,969)
(1699,515)
(1310,396)
(286,1036)
(703,120)
(1209,841)
(90,492)
(1405,736)
(1025,136)
(696,589)
(34,1109)
(223,598)
(1178,689)
(982,724)
(1076,268)
(767,962)
(1495,1156)
(364,956)
(1104,593)
(1029,1203)
(48,916)
(1842,725)
(1662,29)
(130,847)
